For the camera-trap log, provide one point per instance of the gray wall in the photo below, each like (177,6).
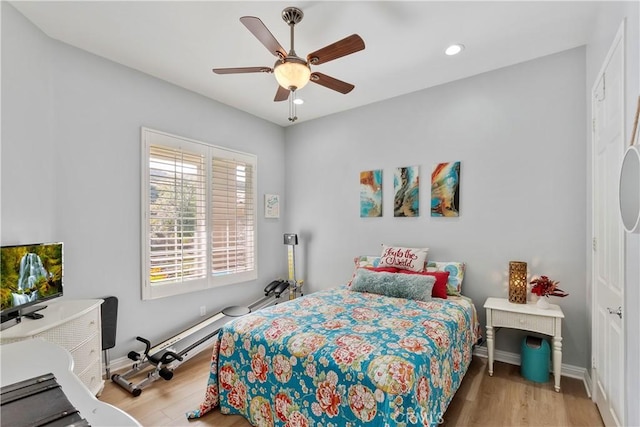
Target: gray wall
(71,172)
(27,149)
(520,136)
(609,19)
(70,166)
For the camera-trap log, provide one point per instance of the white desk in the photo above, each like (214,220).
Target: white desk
(527,317)
(27,359)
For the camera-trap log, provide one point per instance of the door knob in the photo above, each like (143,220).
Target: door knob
(618,311)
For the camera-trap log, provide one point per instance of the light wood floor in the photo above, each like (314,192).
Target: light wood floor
(506,399)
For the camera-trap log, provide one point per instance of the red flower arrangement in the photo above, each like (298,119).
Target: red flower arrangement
(544,287)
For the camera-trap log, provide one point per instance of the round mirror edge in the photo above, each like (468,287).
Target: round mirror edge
(633,153)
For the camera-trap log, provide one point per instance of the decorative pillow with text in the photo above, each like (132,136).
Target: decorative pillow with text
(403,258)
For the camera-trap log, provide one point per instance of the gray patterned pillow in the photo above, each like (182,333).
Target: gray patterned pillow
(409,286)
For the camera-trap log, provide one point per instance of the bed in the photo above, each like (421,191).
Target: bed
(340,357)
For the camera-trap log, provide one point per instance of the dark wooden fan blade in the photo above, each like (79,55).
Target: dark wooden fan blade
(346,46)
(263,34)
(282,94)
(331,83)
(239,70)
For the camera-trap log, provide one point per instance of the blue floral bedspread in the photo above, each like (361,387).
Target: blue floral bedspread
(342,358)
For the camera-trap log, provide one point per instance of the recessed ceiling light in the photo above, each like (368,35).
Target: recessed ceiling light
(298,101)
(454,49)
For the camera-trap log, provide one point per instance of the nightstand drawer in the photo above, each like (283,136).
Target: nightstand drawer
(542,324)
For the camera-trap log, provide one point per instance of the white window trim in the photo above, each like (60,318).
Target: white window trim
(152,136)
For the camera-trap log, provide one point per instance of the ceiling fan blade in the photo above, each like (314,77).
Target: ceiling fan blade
(331,83)
(282,94)
(239,70)
(346,46)
(262,33)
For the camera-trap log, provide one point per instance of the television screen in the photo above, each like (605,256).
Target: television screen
(29,274)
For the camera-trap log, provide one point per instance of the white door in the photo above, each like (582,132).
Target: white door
(608,351)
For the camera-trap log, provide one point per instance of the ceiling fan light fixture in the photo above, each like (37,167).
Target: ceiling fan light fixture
(293,73)
(454,49)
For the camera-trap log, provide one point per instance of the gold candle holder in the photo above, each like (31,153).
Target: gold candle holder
(518,282)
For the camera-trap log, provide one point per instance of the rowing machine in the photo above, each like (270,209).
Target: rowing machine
(165,358)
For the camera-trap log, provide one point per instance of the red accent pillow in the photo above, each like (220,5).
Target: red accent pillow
(440,287)
(383,269)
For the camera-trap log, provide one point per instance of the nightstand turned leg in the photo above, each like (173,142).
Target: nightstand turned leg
(490,348)
(557,361)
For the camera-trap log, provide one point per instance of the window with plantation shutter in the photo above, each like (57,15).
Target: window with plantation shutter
(177,212)
(232,217)
(199,215)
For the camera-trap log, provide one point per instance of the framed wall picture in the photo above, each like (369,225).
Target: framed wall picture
(371,193)
(271,206)
(445,189)
(406,188)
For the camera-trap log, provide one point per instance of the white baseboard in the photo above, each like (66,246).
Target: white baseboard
(119,364)
(566,370)
(587,383)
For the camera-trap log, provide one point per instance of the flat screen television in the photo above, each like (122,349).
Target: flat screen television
(29,275)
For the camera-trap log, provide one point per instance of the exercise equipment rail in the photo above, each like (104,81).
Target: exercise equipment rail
(165,359)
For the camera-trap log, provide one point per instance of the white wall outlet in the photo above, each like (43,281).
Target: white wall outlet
(203,310)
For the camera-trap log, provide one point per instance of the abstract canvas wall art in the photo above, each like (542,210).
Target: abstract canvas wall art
(371,193)
(406,185)
(445,189)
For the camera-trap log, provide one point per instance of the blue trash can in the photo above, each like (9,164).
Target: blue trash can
(534,359)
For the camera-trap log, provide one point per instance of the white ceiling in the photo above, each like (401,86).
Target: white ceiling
(180,41)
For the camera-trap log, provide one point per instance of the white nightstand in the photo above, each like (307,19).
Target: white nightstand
(503,314)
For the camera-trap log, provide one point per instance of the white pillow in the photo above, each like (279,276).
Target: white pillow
(403,258)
